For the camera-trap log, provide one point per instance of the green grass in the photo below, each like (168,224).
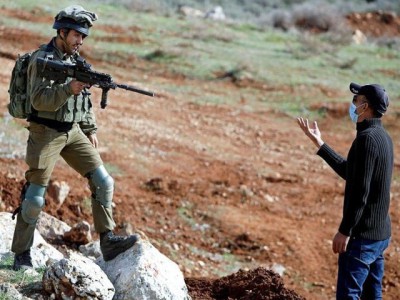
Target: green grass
(4,296)
(17,278)
(185,212)
(197,49)
(43,28)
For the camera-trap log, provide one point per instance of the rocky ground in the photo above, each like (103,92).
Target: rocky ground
(216,188)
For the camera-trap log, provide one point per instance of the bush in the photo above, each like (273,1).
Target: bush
(316,18)
(278,18)
(389,42)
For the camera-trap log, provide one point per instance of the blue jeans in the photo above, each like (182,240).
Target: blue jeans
(361,270)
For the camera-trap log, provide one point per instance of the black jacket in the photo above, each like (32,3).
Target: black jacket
(368,174)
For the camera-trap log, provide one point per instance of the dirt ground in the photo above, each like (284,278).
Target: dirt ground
(216,188)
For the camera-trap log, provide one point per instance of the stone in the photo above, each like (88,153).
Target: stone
(77,277)
(142,272)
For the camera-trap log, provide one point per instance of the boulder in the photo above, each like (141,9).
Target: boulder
(188,11)
(142,272)
(41,251)
(91,250)
(217,13)
(9,292)
(79,234)
(58,191)
(50,227)
(76,277)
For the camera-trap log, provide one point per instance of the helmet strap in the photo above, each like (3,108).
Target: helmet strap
(66,31)
(62,38)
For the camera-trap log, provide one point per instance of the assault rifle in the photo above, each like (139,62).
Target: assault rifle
(59,71)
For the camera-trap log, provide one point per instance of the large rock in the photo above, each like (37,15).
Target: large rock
(91,250)
(188,11)
(41,251)
(9,292)
(50,227)
(217,13)
(58,191)
(142,273)
(77,277)
(79,234)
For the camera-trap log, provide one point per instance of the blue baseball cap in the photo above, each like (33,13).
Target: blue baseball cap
(375,94)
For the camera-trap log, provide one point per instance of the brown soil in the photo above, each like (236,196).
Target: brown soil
(259,283)
(209,183)
(376,23)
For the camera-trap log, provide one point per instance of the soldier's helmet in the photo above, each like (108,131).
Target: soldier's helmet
(75,17)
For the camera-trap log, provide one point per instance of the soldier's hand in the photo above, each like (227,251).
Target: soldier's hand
(77,86)
(93,139)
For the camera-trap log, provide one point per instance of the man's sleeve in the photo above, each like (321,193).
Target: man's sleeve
(44,94)
(333,159)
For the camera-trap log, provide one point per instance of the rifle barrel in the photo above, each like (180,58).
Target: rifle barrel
(135,89)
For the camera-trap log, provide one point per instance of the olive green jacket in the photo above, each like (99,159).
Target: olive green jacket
(54,100)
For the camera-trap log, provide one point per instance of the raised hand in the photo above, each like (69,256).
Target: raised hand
(312,132)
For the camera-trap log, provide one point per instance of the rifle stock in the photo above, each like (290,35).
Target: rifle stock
(59,71)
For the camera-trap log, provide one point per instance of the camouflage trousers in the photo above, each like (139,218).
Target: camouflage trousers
(45,147)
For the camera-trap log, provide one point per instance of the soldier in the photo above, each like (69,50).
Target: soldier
(62,123)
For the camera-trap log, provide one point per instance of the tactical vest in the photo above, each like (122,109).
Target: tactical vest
(75,109)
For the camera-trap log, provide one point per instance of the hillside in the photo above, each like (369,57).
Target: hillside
(214,168)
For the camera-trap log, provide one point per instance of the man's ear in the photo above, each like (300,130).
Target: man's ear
(366,105)
(63,33)
(369,109)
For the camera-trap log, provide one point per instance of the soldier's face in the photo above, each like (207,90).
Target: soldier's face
(73,41)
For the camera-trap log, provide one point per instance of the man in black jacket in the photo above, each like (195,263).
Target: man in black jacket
(365,229)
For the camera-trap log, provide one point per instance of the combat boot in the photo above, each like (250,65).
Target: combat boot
(112,245)
(23,261)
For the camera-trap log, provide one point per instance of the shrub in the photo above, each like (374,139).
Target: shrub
(389,42)
(316,18)
(278,18)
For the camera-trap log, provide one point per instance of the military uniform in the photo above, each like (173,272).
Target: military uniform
(59,125)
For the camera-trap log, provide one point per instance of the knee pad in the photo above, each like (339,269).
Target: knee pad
(102,186)
(33,203)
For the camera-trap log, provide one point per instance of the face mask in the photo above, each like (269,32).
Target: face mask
(353,112)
